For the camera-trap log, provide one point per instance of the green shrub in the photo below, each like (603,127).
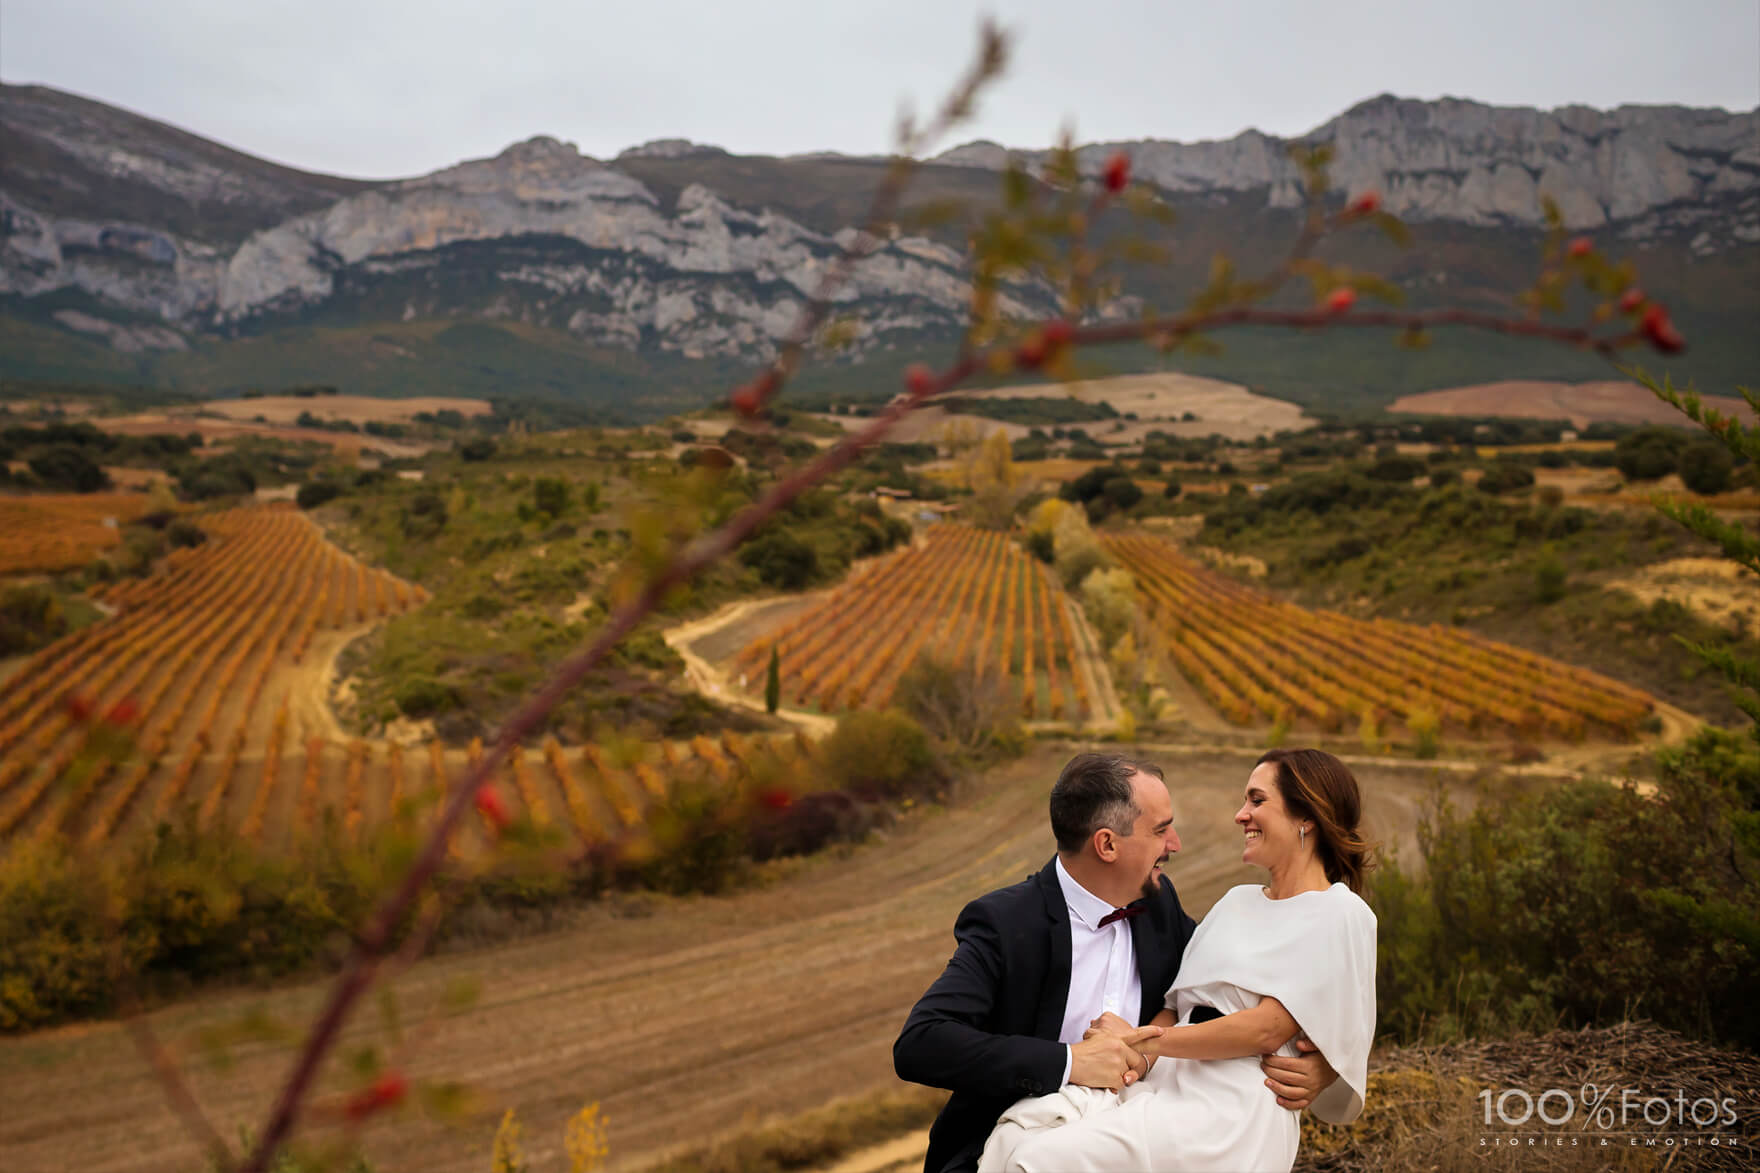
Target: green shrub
(1649,453)
(1582,903)
(1705,466)
(881,755)
(314,493)
(781,559)
(1506,476)
(424,697)
(30,617)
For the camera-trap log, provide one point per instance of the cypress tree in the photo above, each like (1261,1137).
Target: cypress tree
(773,684)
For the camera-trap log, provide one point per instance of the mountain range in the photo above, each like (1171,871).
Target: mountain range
(134,252)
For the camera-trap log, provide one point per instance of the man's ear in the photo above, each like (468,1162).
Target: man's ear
(1106,844)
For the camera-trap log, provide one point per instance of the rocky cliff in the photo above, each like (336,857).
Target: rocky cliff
(1642,169)
(144,237)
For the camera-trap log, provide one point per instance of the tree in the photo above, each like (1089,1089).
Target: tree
(63,466)
(781,559)
(773,683)
(1705,467)
(995,482)
(1649,453)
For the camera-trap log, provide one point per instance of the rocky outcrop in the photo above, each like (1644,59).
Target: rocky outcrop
(166,227)
(1477,164)
(702,277)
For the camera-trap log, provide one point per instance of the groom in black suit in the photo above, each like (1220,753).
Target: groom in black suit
(1098,929)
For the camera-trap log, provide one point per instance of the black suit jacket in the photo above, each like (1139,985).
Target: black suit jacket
(987,1029)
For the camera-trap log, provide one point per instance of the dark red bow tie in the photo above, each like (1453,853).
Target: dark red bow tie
(1124,913)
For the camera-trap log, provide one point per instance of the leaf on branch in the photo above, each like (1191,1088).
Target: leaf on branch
(1394,229)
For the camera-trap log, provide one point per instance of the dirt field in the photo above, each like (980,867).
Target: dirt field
(1716,589)
(1159,401)
(360,409)
(1581,403)
(767,1002)
(216,432)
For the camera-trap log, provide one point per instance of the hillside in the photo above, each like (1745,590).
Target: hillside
(629,288)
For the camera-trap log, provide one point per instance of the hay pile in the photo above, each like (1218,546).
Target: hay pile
(1425,1111)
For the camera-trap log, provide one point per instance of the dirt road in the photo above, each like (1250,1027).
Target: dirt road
(682,1018)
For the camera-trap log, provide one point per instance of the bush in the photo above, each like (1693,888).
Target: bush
(1649,453)
(1399,469)
(183,534)
(1172,489)
(963,708)
(63,466)
(314,493)
(1122,492)
(424,515)
(424,697)
(881,755)
(1582,903)
(781,559)
(1549,579)
(1705,466)
(1506,476)
(478,449)
(30,617)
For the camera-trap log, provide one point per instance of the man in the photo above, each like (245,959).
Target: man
(1098,930)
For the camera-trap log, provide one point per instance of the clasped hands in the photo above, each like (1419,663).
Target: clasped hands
(1114,1054)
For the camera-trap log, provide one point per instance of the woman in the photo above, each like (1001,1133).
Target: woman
(1296,954)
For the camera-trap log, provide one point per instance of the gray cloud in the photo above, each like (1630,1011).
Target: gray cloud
(396,87)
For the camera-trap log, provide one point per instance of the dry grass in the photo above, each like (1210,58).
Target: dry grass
(1425,1113)
(816,1139)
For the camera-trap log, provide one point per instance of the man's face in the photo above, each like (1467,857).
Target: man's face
(1152,839)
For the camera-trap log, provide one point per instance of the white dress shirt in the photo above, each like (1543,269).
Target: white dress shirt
(1102,966)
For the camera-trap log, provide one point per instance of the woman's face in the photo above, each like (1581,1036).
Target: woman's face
(1272,836)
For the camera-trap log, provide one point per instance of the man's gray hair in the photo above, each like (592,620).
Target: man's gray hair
(1094,791)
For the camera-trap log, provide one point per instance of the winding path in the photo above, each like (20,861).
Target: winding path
(682,1018)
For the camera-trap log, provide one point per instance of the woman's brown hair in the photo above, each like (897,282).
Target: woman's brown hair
(1315,785)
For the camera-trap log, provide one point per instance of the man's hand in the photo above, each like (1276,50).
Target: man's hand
(1111,1061)
(1297,1081)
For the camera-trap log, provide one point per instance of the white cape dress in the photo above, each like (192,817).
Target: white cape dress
(1315,953)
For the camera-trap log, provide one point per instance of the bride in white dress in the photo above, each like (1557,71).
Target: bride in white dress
(1269,962)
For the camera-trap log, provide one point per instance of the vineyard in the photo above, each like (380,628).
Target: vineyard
(189,676)
(967,596)
(48,532)
(1256,659)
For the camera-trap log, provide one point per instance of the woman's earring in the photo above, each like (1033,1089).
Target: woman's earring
(1302,834)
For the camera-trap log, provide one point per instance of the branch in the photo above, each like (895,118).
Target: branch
(362,963)
(177,1090)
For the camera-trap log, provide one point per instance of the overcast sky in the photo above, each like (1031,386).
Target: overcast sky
(382,88)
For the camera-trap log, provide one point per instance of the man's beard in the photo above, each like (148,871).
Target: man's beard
(1152,884)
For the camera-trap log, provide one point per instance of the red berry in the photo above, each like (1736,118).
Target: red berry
(1631,299)
(490,804)
(1058,333)
(775,798)
(1582,246)
(387,1090)
(1118,172)
(1660,330)
(1031,353)
(749,399)
(79,707)
(1366,204)
(919,379)
(1341,299)
(123,712)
